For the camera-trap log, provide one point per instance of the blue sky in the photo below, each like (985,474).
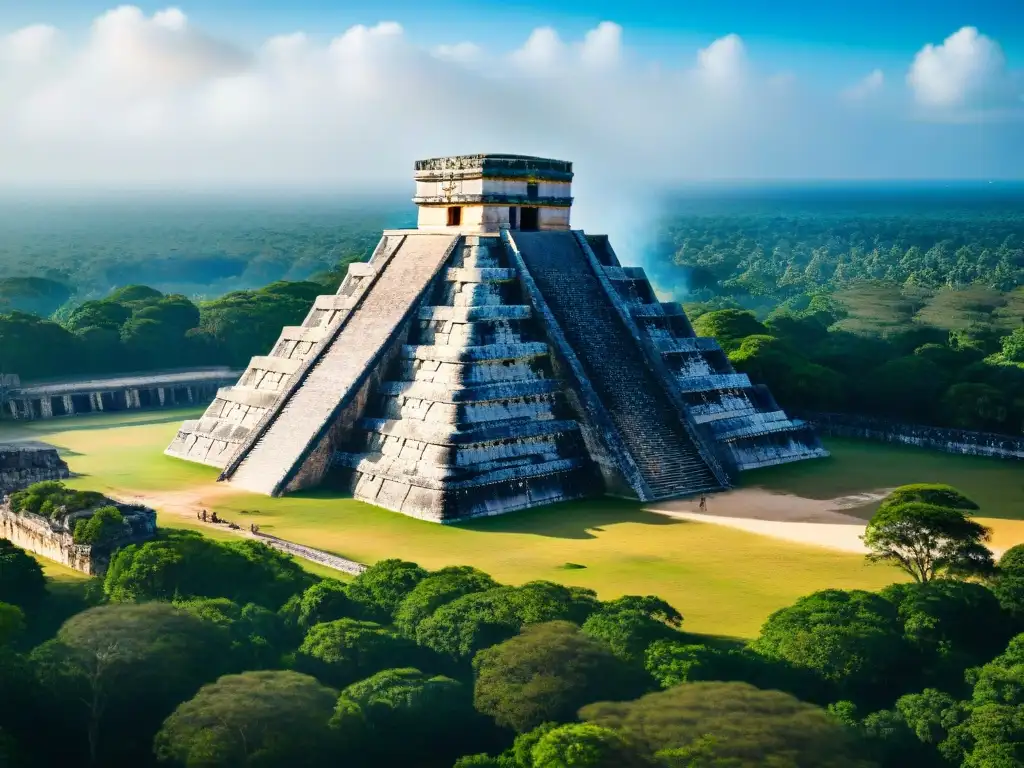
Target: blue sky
(794,34)
(748,89)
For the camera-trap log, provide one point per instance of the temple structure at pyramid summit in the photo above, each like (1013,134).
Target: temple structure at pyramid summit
(490,360)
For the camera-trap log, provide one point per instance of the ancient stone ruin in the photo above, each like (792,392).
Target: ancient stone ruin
(24,463)
(492,359)
(50,532)
(75,397)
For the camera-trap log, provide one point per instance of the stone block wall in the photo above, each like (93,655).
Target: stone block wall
(947,440)
(53,539)
(22,464)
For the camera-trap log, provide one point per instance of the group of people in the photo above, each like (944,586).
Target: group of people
(211,517)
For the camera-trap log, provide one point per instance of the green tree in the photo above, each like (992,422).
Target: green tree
(584,745)
(324,601)
(258,635)
(728,724)
(38,295)
(931,715)
(465,625)
(538,601)
(545,673)
(241,324)
(22,336)
(12,623)
(969,405)
(117,671)
(433,714)
(380,589)
(51,498)
(631,623)
(1008,583)
(185,565)
(886,737)
(483,760)
(263,719)
(929,493)
(952,625)
(104,526)
(907,388)
(99,314)
(1013,346)
(21,577)
(728,326)
(671,662)
(437,589)
(992,732)
(852,640)
(928,541)
(343,651)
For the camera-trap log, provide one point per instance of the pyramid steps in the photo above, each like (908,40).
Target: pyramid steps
(276,452)
(456,415)
(447,434)
(743,418)
(648,423)
(227,422)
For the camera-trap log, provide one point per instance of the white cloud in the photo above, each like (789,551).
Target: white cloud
(543,51)
(155,100)
(464,53)
(602,46)
(865,87)
(724,61)
(967,69)
(28,46)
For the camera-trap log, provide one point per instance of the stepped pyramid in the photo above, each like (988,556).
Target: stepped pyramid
(492,359)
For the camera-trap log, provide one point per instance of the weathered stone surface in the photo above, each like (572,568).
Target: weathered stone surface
(280,443)
(24,463)
(117,393)
(505,370)
(53,539)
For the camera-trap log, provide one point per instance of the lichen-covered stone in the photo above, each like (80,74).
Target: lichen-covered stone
(53,538)
(25,463)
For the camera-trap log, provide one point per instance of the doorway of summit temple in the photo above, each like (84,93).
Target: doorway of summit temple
(529,219)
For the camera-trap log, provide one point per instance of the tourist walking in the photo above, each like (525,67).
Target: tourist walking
(703,503)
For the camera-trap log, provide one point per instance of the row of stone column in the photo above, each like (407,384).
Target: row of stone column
(47,407)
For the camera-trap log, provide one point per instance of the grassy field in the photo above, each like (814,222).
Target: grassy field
(724,581)
(857,465)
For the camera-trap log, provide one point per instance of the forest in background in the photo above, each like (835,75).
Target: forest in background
(900,302)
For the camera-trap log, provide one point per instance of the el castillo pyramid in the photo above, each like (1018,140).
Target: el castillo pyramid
(492,359)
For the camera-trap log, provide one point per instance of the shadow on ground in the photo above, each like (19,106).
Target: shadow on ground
(570,520)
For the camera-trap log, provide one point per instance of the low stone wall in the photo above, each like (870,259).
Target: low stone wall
(24,463)
(315,555)
(960,441)
(53,539)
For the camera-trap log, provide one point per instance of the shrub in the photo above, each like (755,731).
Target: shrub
(51,498)
(104,526)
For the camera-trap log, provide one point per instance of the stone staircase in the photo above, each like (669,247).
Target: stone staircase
(277,454)
(218,435)
(643,414)
(469,419)
(744,420)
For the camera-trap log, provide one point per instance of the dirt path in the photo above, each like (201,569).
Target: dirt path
(184,503)
(815,522)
